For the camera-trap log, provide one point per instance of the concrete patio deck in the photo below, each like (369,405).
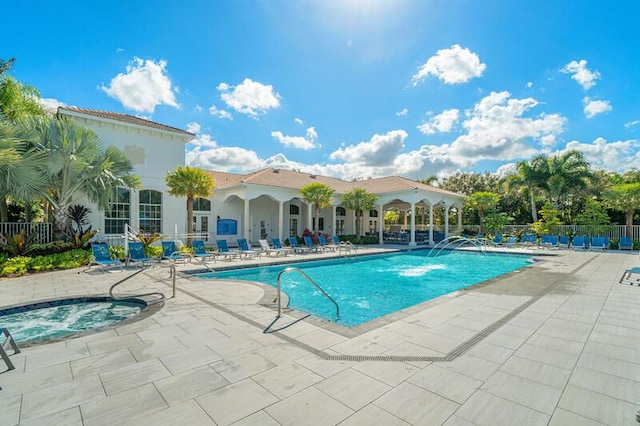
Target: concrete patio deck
(557,343)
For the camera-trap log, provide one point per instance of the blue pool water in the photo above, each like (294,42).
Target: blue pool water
(62,317)
(369,287)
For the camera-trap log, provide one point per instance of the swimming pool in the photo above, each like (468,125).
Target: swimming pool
(369,287)
(57,318)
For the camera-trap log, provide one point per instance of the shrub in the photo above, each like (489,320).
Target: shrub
(20,265)
(117,252)
(18,244)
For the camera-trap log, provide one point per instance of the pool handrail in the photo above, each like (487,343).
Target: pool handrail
(279,293)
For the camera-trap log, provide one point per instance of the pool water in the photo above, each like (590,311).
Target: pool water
(369,287)
(35,322)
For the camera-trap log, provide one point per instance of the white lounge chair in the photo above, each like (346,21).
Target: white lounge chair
(264,245)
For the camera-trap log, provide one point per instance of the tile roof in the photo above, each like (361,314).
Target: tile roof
(125,118)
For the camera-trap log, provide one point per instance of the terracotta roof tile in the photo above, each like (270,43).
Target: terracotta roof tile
(125,118)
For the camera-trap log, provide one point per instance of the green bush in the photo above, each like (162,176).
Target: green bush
(362,240)
(20,265)
(117,252)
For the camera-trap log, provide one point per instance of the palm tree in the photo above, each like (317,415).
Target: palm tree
(191,183)
(77,166)
(358,200)
(528,180)
(624,197)
(6,65)
(320,194)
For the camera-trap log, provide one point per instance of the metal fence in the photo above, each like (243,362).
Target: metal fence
(43,230)
(614,232)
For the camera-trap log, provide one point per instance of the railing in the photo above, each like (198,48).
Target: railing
(44,230)
(172,272)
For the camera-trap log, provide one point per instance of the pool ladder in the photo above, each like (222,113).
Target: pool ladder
(279,294)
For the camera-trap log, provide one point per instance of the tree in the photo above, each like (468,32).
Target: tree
(19,101)
(320,194)
(191,183)
(595,216)
(624,197)
(527,180)
(6,65)
(358,200)
(78,166)
(482,202)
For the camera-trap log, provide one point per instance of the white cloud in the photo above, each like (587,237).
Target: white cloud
(51,104)
(529,85)
(616,156)
(631,124)
(193,127)
(145,85)
(220,113)
(593,108)
(580,73)
(440,123)
(380,150)
(402,113)
(197,108)
(299,142)
(226,159)
(299,121)
(250,97)
(454,65)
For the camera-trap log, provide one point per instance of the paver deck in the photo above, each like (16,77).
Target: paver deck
(557,343)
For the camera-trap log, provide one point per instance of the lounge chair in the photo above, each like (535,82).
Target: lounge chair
(580,242)
(277,244)
(310,245)
(335,240)
(102,256)
(498,239)
(626,276)
(511,241)
(293,242)
(200,252)
(322,241)
(564,241)
(529,240)
(549,241)
(626,243)
(170,252)
(223,250)
(264,245)
(599,243)
(245,250)
(137,255)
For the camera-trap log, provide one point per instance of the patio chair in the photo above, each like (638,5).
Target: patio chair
(246,250)
(264,245)
(137,255)
(200,252)
(580,242)
(223,250)
(102,256)
(335,240)
(498,239)
(293,242)
(599,243)
(170,252)
(626,276)
(511,241)
(549,241)
(310,245)
(564,241)
(626,243)
(529,240)
(325,245)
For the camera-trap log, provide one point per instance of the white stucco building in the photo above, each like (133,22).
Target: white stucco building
(263,204)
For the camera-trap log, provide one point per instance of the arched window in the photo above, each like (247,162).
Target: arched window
(340,211)
(293,209)
(150,211)
(373,213)
(201,205)
(119,211)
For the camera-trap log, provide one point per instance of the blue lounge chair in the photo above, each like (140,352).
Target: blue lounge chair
(564,241)
(264,245)
(580,242)
(324,244)
(293,242)
(511,241)
(498,239)
(335,240)
(626,243)
(310,245)
(599,243)
(223,250)
(549,241)
(102,256)
(136,254)
(245,250)
(170,252)
(200,252)
(626,276)
(529,240)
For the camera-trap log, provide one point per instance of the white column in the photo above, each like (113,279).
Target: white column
(280,219)
(405,219)
(430,224)
(310,216)
(412,243)
(247,220)
(333,220)
(460,220)
(380,224)
(446,221)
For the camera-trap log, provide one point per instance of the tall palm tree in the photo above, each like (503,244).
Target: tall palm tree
(527,180)
(189,182)
(320,194)
(358,200)
(78,166)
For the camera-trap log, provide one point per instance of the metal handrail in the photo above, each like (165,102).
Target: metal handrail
(292,269)
(172,271)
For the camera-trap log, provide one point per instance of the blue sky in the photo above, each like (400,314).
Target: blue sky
(353,88)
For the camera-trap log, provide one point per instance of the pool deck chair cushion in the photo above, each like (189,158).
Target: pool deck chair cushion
(325,245)
(293,242)
(136,254)
(170,252)
(579,242)
(223,250)
(102,256)
(599,243)
(626,243)
(309,243)
(264,245)
(245,250)
(199,250)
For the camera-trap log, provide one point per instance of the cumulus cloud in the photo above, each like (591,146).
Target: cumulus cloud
(299,142)
(51,104)
(197,108)
(580,73)
(529,85)
(144,86)
(440,123)
(454,65)
(250,97)
(299,121)
(402,113)
(595,107)
(193,127)
(616,156)
(631,124)
(380,150)
(220,113)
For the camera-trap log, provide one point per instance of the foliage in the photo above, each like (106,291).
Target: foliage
(549,222)
(19,244)
(79,215)
(148,238)
(320,195)
(391,217)
(358,199)
(496,221)
(624,197)
(354,239)
(19,101)
(20,265)
(594,215)
(58,246)
(483,202)
(189,182)
(116,252)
